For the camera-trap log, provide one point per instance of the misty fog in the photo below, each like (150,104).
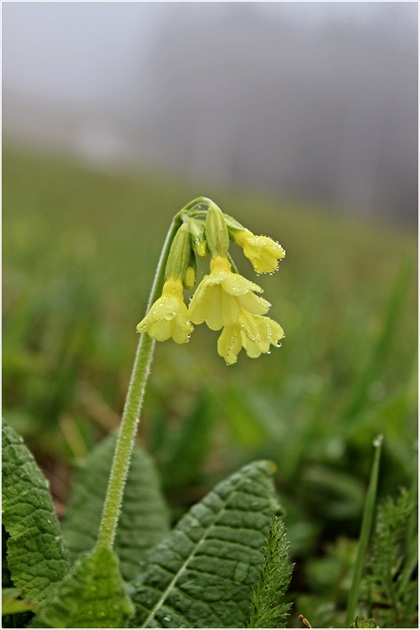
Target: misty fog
(314,101)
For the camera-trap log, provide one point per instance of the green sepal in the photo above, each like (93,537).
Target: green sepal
(216,232)
(179,255)
(198,237)
(234,225)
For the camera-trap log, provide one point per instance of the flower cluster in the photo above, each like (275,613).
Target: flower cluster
(224,299)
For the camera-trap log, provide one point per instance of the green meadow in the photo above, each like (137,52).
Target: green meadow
(80,248)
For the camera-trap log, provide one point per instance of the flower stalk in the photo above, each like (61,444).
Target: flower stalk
(132,408)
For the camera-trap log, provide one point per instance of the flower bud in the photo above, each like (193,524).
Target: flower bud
(264,253)
(198,237)
(190,273)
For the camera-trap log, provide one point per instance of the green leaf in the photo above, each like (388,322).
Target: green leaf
(11,602)
(91,596)
(189,445)
(201,575)
(392,566)
(36,556)
(144,518)
(268,610)
(383,343)
(365,531)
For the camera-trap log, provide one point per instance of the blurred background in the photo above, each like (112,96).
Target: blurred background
(299,119)
(314,100)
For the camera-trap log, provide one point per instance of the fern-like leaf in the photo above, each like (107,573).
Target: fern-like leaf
(391,590)
(268,609)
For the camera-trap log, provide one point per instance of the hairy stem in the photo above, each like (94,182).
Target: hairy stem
(132,408)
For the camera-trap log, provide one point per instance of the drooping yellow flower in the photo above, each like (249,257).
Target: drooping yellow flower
(262,251)
(223,295)
(168,316)
(255,333)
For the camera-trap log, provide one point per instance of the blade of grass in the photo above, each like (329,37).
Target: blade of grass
(366,528)
(384,341)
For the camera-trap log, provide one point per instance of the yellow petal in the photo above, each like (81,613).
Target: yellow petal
(229,344)
(221,296)
(258,333)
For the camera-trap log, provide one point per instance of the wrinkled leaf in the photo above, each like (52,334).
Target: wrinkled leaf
(91,596)
(201,574)
(36,555)
(144,518)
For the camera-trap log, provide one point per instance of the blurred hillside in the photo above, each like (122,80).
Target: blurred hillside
(316,102)
(80,248)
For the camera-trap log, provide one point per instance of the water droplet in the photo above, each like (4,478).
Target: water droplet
(378,440)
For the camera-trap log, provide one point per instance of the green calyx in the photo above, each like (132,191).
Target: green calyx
(216,232)
(198,237)
(180,253)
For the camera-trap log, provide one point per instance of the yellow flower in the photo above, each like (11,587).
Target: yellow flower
(222,295)
(168,317)
(253,332)
(263,252)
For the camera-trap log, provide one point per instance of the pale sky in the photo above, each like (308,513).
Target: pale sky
(75,51)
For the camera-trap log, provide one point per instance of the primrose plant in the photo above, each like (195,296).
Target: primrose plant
(114,562)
